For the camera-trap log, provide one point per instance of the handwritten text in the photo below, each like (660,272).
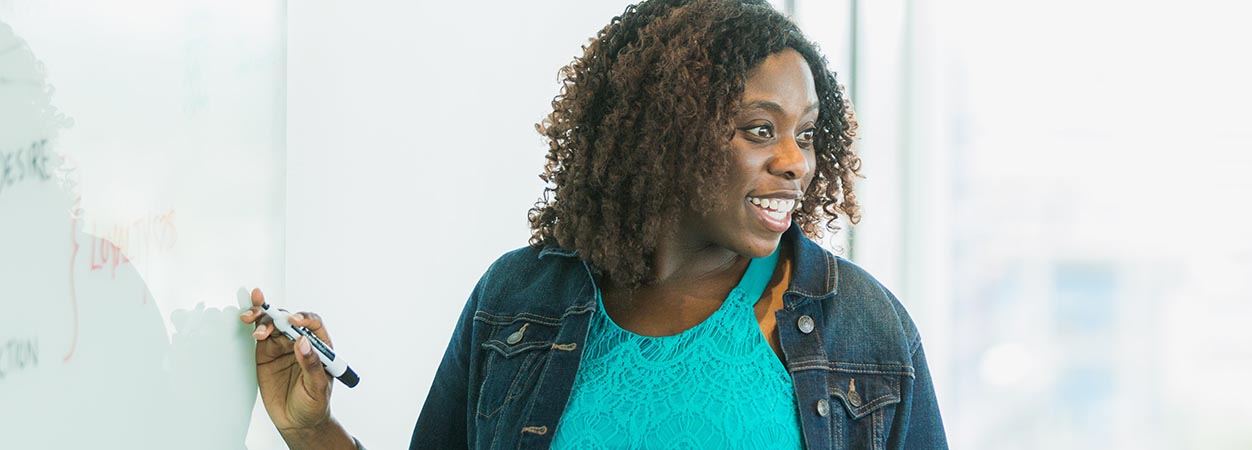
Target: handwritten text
(18,354)
(27,163)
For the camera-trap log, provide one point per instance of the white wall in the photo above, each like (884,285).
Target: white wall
(412,160)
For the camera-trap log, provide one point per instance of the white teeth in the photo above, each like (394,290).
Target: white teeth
(774,203)
(777,215)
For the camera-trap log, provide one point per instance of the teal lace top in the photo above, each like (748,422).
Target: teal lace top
(715,385)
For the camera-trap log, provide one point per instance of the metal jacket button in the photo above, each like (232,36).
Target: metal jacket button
(823,408)
(806,324)
(517,335)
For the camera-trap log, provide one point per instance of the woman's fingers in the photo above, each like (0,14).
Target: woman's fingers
(257,297)
(315,379)
(265,329)
(264,325)
(252,314)
(255,315)
(313,322)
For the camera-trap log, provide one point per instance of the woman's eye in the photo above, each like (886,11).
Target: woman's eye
(761,131)
(806,136)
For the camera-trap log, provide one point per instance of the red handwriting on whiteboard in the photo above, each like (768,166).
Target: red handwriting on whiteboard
(117,246)
(138,239)
(108,252)
(73,287)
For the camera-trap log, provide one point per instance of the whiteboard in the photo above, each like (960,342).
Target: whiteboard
(142,186)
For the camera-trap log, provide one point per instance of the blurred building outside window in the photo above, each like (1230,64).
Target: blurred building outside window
(1058,192)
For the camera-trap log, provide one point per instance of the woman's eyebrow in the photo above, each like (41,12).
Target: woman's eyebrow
(774,107)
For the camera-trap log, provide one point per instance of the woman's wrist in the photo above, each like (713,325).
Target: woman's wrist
(328,435)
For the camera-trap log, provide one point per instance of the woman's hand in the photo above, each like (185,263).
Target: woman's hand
(294,387)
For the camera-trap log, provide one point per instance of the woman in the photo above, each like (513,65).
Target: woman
(671,296)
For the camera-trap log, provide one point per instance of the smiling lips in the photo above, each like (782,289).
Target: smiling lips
(775,212)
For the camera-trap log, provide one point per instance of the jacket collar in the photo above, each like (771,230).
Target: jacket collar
(553,249)
(815,274)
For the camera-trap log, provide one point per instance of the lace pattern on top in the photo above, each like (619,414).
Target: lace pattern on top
(715,385)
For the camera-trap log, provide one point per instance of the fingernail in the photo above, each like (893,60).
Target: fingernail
(298,316)
(246,313)
(260,331)
(305,347)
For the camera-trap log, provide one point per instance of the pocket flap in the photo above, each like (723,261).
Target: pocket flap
(863,393)
(520,335)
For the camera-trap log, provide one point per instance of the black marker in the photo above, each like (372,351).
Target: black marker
(333,364)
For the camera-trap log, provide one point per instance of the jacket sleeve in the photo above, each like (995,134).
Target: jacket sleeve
(925,426)
(445,418)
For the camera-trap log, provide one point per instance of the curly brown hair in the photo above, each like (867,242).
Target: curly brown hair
(654,94)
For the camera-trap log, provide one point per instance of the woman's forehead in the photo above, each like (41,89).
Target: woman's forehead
(783,79)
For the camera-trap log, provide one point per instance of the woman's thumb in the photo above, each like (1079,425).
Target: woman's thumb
(315,376)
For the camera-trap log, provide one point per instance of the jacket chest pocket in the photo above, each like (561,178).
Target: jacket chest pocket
(862,408)
(516,352)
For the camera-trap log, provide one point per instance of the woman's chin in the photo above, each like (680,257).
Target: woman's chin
(758,246)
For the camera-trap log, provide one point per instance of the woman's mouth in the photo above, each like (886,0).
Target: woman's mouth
(774,212)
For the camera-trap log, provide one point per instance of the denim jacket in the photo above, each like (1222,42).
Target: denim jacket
(854,355)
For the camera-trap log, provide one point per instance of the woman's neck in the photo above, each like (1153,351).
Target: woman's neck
(678,262)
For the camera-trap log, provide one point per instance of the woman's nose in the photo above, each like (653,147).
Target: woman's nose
(789,161)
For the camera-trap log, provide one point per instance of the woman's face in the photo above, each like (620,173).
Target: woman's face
(772,158)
